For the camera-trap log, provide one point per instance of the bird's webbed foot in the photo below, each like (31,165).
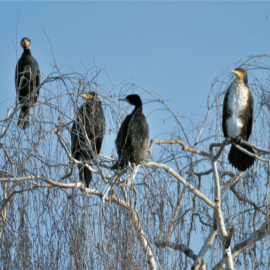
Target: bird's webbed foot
(129,170)
(131,165)
(129,173)
(238,140)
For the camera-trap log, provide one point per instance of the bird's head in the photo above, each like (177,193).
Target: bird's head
(133,100)
(26,43)
(240,74)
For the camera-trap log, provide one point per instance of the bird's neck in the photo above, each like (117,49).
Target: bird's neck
(240,81)
(27,52)
(138,108)
(89,103)
(237,85)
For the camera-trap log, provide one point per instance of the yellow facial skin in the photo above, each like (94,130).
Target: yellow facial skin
(238,73)
(27,43)
(127,100)
(87,96)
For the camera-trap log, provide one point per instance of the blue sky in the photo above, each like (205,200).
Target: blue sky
(173,48)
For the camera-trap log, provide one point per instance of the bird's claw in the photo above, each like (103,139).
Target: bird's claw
(238,140)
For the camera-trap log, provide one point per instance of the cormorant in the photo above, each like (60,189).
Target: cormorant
(27,82)
(90,120)
(237,118)
(132,138)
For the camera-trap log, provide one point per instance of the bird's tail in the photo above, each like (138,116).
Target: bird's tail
(23,121)
(85,176)
(240,160)
(121,162)
(115,166)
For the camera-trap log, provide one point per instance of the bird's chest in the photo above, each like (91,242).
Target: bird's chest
(25,61)
(236,105)
(25,69)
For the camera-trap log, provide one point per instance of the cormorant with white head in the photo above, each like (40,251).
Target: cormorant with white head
(27,82)
(237,118)
(132,138)
(90,120)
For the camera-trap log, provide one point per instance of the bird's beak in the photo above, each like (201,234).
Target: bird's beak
(27,43)
(86,96)
(236,72)
(124,99)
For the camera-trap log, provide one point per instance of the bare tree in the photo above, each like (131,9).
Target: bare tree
(184,207)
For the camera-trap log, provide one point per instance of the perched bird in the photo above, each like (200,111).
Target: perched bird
(27,82)
(132,138)
(237,118)
(89,121)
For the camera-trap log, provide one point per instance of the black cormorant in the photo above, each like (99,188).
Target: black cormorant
(238,117)
(90,120)
(132,138)
(27,81)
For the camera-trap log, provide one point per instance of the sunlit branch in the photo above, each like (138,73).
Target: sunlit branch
(184,147)
(182,180)
(219,216)
(232,181)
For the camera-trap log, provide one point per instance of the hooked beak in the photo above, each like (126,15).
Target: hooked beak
(124,99)
(84,95)
(236,72)
(27,43)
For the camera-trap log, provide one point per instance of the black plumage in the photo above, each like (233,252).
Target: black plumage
(132,138)
(237,119)
(27,82)
(90,120)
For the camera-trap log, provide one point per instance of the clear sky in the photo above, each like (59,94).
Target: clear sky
(175,49)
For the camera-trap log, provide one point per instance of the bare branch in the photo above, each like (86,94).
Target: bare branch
(182,180)
(245,199)
(185,249)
